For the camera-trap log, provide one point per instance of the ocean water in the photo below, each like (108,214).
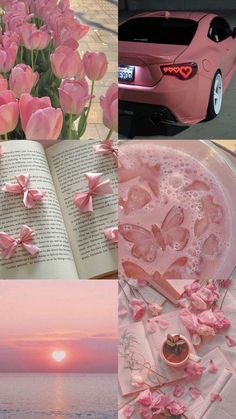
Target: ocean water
(58,396)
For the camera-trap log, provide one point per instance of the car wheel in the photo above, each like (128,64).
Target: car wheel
(216,95)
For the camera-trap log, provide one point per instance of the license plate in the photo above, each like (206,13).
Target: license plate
(126,73)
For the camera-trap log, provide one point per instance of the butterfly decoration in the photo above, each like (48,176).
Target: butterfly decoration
(147,173)
(174,271)
(138,197)
(146,243)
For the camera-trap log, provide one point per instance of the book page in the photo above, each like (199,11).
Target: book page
(203,410)
(55,259)
(68,162)
(227,406)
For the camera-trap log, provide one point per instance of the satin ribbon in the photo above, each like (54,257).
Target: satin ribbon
(106,147)
(31,196)
(9,244)
(111,234)
(84,200)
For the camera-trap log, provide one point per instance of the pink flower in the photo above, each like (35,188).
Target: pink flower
(109,104)
(176,407)
(159,403)
(145,398)
(151,326)
(8,52)
(198,303)
(163,324)
(22,79)
(205,330)
(128,411)
(178,390)
(207,317)
(190,289)
(145,412)
(95,65)
(221,320)
(215,397)
(34,38)
(9,111)
(194,370)
(212,368)
(225,283)
(3,83)
(137,381)
(39,120)
(138,308)
(73,94)
(209,294)
(189,319)
(230,342)
(194,392)
(154,309)
(66,63)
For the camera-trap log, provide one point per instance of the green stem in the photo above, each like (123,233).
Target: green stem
(36,56)
(43,56)
(5,137)
(21,53)
(91,99)
(70,126)
(109,134)
(89,108)
(32,59)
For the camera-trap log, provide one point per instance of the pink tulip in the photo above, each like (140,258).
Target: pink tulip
(95,65)
(3,83)
(8,52)
(65,62)
(9,111)
(109,104)
(68,32)
(39,120)
(73,95)
(22,79)
(34,38)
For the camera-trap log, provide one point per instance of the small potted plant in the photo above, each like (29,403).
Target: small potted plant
(175,350)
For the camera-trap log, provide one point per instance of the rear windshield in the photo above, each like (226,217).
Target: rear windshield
(158,30)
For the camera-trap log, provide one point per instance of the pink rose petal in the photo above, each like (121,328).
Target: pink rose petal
(151,326)
(178,390)
(128,411)
(145,398)
(163,324)
(230,341)
(194,370)
(194,392)
(122,311)
(145,412)
(212,368)
(215,397)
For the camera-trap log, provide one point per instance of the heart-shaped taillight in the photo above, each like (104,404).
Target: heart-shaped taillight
(183,71)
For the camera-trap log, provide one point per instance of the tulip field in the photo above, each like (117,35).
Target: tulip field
(46,86)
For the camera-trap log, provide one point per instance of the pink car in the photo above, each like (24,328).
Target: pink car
(175,66)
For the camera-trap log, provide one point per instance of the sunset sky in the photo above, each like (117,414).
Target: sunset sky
(40,317)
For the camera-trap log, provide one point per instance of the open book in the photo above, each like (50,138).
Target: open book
(72,244)
(139,354)
(207,408)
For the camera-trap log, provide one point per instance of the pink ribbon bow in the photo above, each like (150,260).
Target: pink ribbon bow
(31,196)
(84,200)
(111,234)
(9,244)
(106,147)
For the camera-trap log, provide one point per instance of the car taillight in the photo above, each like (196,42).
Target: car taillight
(183,71)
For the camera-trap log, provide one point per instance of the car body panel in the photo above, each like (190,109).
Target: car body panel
(187,99)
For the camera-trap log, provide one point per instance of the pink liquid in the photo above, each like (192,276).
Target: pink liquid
(170,190)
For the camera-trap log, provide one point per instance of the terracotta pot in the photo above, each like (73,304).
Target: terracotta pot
(176,361)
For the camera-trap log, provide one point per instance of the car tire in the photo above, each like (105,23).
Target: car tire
(216,95)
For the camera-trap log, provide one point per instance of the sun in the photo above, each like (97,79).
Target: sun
(59,356)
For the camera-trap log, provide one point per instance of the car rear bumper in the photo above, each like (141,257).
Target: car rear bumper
(187,101)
